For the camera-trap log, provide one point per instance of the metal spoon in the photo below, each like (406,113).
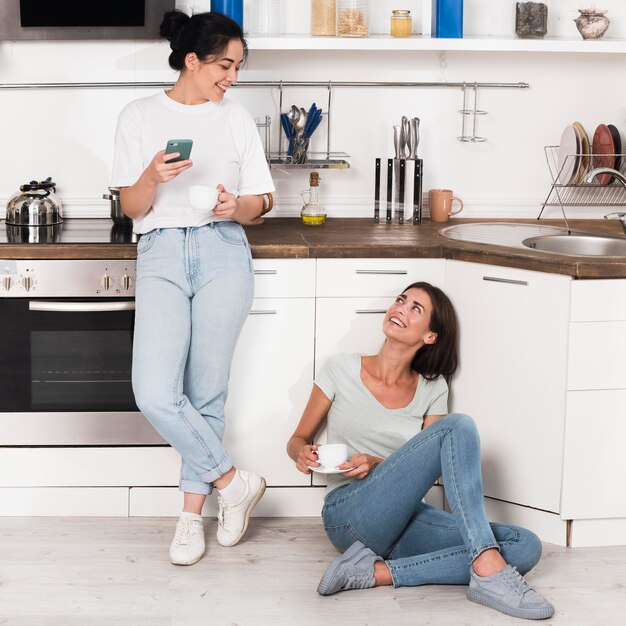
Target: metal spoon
(301,121)
(293,115)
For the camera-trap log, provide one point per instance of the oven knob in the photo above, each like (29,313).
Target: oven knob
(127,282)
(107,282)
(7,282)
(27,283)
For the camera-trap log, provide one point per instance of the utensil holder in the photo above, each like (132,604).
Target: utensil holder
(468,112)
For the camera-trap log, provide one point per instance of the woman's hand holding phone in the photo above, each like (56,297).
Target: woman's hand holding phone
(162,169)
(169,163)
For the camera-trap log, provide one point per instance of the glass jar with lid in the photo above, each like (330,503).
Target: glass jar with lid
(324,18)
(353,18)
(401,23)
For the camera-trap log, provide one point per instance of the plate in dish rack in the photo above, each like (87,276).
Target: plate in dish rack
(603,150)
(569,151)
(585,149)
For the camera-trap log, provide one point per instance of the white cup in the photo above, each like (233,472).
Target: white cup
(332,454)
(203,198)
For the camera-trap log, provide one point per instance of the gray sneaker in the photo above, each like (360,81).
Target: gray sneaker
(354,569)
(508,592)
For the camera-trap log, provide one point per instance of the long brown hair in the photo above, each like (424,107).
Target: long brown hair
(442,357)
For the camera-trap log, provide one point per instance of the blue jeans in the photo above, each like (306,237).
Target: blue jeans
(194,292)
(421,544)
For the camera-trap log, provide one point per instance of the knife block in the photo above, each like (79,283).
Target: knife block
(400,199)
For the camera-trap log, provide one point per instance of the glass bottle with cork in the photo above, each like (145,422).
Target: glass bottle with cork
(312,213)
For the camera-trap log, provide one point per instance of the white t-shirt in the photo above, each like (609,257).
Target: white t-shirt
(359,420)
(226,149)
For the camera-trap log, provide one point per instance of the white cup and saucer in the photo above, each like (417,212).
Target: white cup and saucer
(203,198)
(329,456)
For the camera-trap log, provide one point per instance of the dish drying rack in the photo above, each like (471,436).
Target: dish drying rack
(577,192)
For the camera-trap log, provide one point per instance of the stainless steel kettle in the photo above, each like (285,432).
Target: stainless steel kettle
(34,205)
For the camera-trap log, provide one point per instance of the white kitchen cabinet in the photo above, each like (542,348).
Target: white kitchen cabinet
(272,370)
(352,298)
(350,278)
(512,376)
(594,464)
(270,380)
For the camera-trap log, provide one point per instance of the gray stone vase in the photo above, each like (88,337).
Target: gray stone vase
(592,23)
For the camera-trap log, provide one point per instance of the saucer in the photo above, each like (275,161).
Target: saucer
(327,470)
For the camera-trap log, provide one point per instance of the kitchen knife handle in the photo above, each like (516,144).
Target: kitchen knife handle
(397,141)
(401,191)
(377,193)
(389,189)
(417,191)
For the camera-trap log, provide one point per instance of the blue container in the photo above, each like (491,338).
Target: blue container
(447,19)
(231,8)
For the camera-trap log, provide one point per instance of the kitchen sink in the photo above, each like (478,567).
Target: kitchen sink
(578,245)
(508,234)
(537,237)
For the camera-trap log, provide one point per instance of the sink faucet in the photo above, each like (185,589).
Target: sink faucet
(621,216)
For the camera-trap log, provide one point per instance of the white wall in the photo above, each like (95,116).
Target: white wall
(68,133)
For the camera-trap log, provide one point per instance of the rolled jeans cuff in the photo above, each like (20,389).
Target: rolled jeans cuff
(205,486)
(191,486)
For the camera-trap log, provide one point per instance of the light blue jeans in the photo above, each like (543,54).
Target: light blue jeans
(421,544)
(194,292)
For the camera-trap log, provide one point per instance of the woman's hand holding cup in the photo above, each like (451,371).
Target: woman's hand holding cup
(306,458)
(227,204)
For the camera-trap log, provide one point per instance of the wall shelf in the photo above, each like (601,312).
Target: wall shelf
(427,43)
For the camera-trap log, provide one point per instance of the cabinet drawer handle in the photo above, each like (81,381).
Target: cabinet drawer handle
(399,272)
(260,312)
(508,281)
(265,272)
(371,311)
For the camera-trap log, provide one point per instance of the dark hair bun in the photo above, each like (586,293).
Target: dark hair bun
(172,24)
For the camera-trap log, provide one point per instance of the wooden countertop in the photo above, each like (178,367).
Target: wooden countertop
(359,237)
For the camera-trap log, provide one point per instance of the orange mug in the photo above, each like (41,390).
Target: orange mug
(440,204)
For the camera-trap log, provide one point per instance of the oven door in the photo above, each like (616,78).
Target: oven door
(65,373)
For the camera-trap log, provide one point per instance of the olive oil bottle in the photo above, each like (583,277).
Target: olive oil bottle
(312,213)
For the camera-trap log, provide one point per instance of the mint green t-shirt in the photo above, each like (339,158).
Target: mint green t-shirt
(359,420)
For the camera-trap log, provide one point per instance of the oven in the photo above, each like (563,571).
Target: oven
(66,331)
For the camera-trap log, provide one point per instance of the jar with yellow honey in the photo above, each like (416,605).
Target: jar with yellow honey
(401,23)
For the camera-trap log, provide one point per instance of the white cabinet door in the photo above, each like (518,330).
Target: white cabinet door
(348,325)
(270,382)
(512,377)
(595,465)
(353,296)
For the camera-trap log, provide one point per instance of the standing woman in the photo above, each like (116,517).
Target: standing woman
(390,410)
(194,269)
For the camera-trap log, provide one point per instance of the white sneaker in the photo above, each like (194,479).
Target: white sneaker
(187,546)
(232,519)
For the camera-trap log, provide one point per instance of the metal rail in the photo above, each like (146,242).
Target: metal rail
(268,83)
(330,85)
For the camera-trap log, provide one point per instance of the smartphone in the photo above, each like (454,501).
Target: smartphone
(179,145)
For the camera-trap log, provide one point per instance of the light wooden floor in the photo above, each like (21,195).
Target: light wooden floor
(115,571)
